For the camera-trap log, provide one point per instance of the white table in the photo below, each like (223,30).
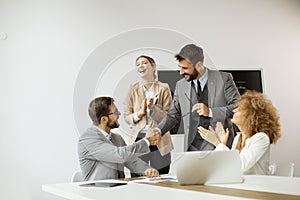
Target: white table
(254,186)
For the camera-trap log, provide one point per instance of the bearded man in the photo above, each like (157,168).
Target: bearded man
(202,98)
(103,154)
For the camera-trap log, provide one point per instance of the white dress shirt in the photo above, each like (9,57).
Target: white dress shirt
(107,135)
(255,155)
(148,94)
(203,80)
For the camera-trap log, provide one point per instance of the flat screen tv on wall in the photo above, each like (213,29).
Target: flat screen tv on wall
(244,79)
(247,79)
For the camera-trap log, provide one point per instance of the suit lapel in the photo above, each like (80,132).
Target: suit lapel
(211,86)
(155,89)
(193,94)
(113,140)
(141,94)
(193,117)
(101,135)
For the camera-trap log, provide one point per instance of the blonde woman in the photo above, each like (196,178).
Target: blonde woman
(258,122)
(147,102)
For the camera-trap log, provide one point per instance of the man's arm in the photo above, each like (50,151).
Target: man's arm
(173,117)
(138,166)
(231,95)
(95,148)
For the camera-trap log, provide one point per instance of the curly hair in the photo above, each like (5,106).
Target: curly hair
(261,115)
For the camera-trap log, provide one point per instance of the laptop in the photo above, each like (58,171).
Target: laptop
(208,167)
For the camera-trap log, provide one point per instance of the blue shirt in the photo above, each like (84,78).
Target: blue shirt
(202,80)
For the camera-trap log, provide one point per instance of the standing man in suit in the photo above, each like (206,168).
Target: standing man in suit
(102,154)
(202,98)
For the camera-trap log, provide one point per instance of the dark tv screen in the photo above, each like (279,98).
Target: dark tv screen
(170,77)
(244,79)
(247,80)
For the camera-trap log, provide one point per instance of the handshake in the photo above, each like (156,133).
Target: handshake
(153,136)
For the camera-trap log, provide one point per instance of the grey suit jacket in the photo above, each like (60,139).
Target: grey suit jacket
(100,158)
(222,97)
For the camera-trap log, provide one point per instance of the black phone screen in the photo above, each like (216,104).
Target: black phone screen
(102,184)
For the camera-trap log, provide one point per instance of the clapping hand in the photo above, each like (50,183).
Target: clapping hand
(222,135)
(150,103)
(209,135)
(143,110)
(214,137)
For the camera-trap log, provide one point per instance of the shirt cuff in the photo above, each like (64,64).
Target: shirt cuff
(221,147)
(210,113)
(147,141)
(135,117)
(158,129)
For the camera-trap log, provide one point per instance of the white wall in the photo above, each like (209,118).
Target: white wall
(49,41)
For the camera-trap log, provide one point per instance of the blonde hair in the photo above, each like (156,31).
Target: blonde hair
(151,61)
(260,115)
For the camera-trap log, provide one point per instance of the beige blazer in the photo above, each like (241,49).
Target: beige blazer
(133,101)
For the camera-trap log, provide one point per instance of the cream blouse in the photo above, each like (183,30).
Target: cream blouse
(255,155)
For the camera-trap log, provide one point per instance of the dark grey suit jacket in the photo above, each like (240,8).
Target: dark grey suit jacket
(100,158)
(222,97)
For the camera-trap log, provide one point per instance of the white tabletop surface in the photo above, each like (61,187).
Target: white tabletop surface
(274,184)
(283,185)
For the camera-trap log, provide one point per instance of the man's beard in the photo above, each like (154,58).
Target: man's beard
(113,124)
(192,76)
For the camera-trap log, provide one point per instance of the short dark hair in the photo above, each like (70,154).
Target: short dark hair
(98,108)
(191,52)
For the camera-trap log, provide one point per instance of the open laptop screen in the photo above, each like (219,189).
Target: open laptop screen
(208,167)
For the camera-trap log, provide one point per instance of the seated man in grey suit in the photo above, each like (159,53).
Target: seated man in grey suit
(102,154)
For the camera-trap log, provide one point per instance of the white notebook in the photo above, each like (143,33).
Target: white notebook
(208,167)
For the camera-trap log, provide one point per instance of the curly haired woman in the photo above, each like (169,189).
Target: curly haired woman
(258,122)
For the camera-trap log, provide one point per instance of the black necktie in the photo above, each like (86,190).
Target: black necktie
(199,91)
(109,137)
